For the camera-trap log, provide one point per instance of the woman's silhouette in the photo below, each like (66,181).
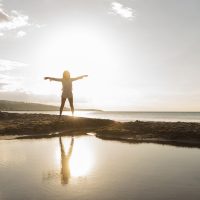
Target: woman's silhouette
(66,89)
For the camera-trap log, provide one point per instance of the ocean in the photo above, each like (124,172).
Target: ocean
(124,116)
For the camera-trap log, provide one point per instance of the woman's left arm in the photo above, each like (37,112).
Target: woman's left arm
(79,77)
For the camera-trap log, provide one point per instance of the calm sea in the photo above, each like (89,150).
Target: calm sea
(133,116)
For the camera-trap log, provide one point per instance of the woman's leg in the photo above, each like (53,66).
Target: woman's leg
(71,104)
(62,105)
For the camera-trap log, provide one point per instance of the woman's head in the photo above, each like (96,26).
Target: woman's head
(66,75)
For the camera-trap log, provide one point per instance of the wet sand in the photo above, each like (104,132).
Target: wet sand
(15,125)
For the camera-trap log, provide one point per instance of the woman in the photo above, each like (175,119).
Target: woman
(66,89)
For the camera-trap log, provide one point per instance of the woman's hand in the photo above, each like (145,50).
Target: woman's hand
(46,78)
(85,75)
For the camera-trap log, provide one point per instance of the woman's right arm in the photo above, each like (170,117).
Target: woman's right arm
(53,79)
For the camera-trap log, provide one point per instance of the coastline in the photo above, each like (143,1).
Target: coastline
(26,126)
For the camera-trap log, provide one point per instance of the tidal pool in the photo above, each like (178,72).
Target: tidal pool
(93,169)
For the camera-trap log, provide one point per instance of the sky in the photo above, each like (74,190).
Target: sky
(140,55)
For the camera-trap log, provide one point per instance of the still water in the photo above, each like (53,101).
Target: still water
(89,168)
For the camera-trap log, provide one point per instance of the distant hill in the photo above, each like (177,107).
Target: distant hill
(23,106)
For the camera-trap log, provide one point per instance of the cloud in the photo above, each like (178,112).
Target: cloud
(40,25)
(2,85)
(11,21)
(4,81)
(3,16)
(6,65)
(8,80)
(119,9)
(21,34)
(14,21)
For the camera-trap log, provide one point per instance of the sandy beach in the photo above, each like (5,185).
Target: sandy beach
(15,126)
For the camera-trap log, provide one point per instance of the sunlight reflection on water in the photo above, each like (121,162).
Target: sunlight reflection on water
(81,160)
(89,168)
(73,157)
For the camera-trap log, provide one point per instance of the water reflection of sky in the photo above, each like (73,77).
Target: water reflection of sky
(90,168)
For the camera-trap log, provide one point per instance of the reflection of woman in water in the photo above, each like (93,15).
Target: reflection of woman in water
(65,157)
(66,89)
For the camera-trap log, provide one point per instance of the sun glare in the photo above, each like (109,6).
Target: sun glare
(81,161)
(80,50)
(72,48)
(76,163)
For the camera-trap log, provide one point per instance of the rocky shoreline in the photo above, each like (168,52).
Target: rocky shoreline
(45,126)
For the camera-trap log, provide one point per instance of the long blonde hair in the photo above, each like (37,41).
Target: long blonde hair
(66,75)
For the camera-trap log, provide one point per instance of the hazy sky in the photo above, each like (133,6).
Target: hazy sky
(139,54)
